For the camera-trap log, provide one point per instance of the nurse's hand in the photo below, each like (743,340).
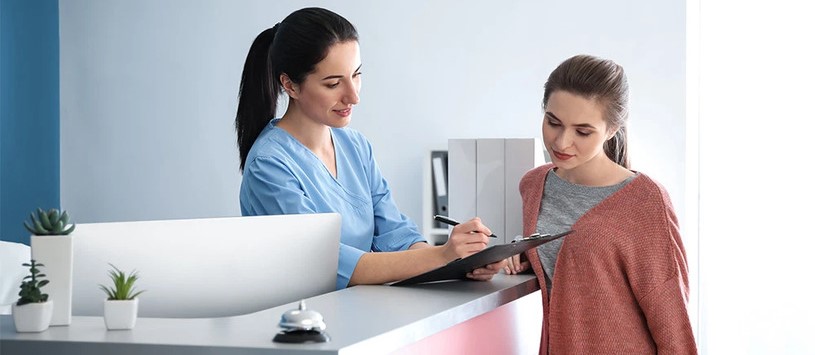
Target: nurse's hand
(486,273)
(466,239)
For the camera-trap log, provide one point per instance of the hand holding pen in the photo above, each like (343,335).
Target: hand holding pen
(476,231)
(453,222)
(465,239)
(469,238)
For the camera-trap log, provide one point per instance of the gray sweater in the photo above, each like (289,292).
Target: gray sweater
(563,203)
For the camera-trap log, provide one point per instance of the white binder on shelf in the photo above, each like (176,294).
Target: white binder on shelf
(521,155)
(461,164)
(489,171)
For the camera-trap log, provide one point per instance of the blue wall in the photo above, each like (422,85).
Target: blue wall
(29,112)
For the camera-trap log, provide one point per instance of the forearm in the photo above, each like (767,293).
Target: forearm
(381,267)
(384,267)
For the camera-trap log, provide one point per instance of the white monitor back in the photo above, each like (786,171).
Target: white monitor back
(210,267)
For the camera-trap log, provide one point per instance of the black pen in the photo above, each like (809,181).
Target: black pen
(453,222)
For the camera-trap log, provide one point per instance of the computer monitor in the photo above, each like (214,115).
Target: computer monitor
(210,267)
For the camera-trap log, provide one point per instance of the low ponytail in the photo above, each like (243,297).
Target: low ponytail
(258,93)
(616,148)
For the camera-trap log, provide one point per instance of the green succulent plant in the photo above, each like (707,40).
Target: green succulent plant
(30,288)
(122,285)
(52,222)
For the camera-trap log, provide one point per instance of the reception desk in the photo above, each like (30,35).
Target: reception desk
(462,317)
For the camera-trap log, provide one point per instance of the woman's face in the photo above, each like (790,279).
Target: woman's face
(328,94)
(574,130)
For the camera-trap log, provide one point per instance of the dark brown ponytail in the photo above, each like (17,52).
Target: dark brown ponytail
(257,96)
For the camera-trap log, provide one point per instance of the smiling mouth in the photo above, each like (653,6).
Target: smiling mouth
(561,156)
(344,112)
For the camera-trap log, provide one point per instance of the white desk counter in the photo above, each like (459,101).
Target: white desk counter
(499,316)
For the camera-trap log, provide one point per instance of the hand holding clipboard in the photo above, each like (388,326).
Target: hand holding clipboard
(458,269)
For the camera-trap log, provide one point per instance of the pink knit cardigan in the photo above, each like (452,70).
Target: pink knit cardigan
(621,278)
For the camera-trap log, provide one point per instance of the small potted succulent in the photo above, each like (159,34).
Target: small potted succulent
(53,245)
(122,303)
(33,311)
(52,222)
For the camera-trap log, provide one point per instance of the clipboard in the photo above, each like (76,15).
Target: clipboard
(458,269)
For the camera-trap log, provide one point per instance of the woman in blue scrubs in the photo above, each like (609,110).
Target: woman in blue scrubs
(308,161)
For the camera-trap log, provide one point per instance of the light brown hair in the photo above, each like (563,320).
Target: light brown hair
(602,80)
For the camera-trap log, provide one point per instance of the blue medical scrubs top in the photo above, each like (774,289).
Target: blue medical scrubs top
(282,176)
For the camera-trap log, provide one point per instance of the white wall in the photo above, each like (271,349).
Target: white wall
(755,129)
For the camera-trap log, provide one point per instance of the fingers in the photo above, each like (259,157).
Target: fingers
(466,239)
(472,232)
(509,269)
(473,226)
(465,244)
(483,274)
(487,272)
(515,265)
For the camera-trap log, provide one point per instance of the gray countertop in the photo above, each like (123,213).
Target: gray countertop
(360,319)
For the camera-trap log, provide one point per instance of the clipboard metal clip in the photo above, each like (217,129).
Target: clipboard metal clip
(532,236)
(535,236)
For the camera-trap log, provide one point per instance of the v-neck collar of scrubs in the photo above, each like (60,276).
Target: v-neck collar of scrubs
(337,150)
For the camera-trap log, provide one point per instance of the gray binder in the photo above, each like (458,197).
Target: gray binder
(438,161)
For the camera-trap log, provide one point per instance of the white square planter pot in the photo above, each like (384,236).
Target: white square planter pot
(32,317)
(56,253)
(121,314)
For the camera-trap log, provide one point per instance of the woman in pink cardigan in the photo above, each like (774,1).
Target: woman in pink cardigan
(619,283)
